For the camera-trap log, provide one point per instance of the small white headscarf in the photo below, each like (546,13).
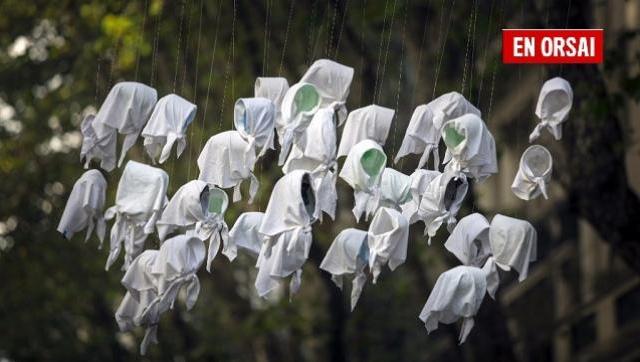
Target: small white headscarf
(168,123)
(554,103)
(441,201)
(244,233)
(387,238)
(254,120)
(333,81)
(274,89)
(125,110)
(371,122)
(348,255)
(362,170)
(395,189)
(533,174)
(420,179)
(469,240)
(226,160)
(85,206)
(299,105)
(514,244)
(140,198)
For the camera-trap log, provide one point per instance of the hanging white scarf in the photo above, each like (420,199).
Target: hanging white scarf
(469,240)
(214,228)
(387,238)
(395,189)
(141,196)
(299,105)
(362,170)
(554,103)
(254,120)
(348,255)
(225,161)
(168,123)
(470,147)
(441,201)
(333,81)
(274,89)
(125,110)
(420,179)
(533,174)
(286,227)
(513,244)
(244,233)
(84,207)
(371,122)
(315,153)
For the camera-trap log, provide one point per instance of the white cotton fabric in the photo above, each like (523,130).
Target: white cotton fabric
(140,198)
(387,238)
(84,208)
(365,185)
(168,123)
(254,119)
(274,89)
(419,179)
(348,255)
(395,189)
(441,201)
(423,132)
(315,152)
(286,227)
(371,122)
(469,240)
(554,103)
(534,173)
(475,155)
(458,293)
(244,233)
(125,110)
(299,104)
(224,162)
(333,82)
(513,244)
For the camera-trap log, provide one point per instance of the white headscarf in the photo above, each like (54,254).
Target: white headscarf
(299,105)
(533,174)
(168,124)
(420,179)
(333,81)
(348,255)
(141,196)
(315,152)
(423,132)
(254,120)
(362,170)
(387,238)
(470,147)
(458,293)
(84,207)
(441,201)
(125,110)
(554,103)
(469,240)
(225,162)
(286,226)
(371,122)
(274,89)
(395,189)
(244,233)
(513,244)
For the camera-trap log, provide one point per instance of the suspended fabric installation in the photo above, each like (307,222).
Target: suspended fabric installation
(395,189)
(371,122)
(274,89)
(245,235)
(554,103)
(387,237)
(441,201)
(420,180)
(534,173)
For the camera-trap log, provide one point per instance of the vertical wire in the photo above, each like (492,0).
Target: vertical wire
(195,88)
(484,56)
(473,49)
(362,46)
(380,46)
(420,50)
(444,45)
(228,67)
(213,56)
(386,54)
(344,17)
(566,25)
(140,37)
(175,76)
(286,37)
(266,39)
(155,50)
(310,32)
(332,26)
(466,54)
(495,66)
(395,126)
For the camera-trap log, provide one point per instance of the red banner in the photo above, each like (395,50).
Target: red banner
(549,46)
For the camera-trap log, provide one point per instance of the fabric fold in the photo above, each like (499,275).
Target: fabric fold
(387,239)
(513,244)
(274,89)
(534,172)
(441,201)
(333,82)
(371,122)
(553,107)
(254,119)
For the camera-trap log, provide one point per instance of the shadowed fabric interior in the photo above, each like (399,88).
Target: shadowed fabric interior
(373,161)
(450,192)
(240,121)
(451,137)
(216,201)
(538,161)
(307,195)
(556,100)
(306,99)
(190,118)
(204,200)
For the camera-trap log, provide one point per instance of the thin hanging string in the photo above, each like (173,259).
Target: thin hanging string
(228,67)
(566,25)
(112,65)
(495,66)
(155,50)
(467,59)
(444,46)
(195,88)
(419,67)
(310,32)
(265,55)
(473,50)
(344,17)
(185,47)
(286,37)
(320,29)
(395,121)
(175,76)
(362,45)
(380,47)
(485,53)
(140,37)
(386,53)
(98,80)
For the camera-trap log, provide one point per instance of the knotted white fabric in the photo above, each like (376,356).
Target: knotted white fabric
(470,147)
(333,82)
(84,207)
(420,179)
(513,244)
(214,228)
(315,152)
(371,122)
(423,133)
(387,238)
(395,189)
(140,198)
(274,89)
(224,162)
(299,105)
(362,170)
(469,240)
(441,201)
(125,110)
(254,120)
(458,293)
(286,227)
(533,174)
(244,233)
(168,123)
(554,103)
(348,255)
